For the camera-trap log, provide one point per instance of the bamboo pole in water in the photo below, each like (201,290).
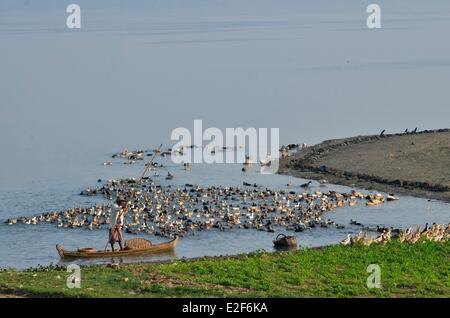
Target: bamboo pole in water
(147,166)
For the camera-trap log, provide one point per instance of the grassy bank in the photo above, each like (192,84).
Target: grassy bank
(420,270)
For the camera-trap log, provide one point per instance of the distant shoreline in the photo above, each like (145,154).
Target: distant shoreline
(416,164)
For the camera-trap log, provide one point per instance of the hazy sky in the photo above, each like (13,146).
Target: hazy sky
(138,69)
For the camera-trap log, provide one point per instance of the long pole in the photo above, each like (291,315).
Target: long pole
(147,166)
(106,244)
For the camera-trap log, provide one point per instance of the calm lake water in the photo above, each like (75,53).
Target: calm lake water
(138,69)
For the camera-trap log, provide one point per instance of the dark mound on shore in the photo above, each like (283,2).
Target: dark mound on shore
(411,163)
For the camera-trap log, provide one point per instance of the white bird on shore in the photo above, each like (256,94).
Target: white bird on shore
(346,241)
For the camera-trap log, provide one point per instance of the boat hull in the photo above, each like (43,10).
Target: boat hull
(157,248)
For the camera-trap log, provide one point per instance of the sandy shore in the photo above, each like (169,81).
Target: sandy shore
(413,163)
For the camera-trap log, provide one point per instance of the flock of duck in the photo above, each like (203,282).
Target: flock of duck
(168,211)
(179,211)
(435,233)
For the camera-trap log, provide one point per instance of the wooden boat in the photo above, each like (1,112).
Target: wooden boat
(157,248)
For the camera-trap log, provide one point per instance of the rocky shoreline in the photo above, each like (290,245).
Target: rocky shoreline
(414,163)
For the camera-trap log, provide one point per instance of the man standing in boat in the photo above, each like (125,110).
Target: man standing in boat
(117,217)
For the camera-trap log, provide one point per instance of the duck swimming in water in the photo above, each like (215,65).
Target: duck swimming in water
(265,163)
(248,161)
(392,197)
(11,221)
(306,185)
